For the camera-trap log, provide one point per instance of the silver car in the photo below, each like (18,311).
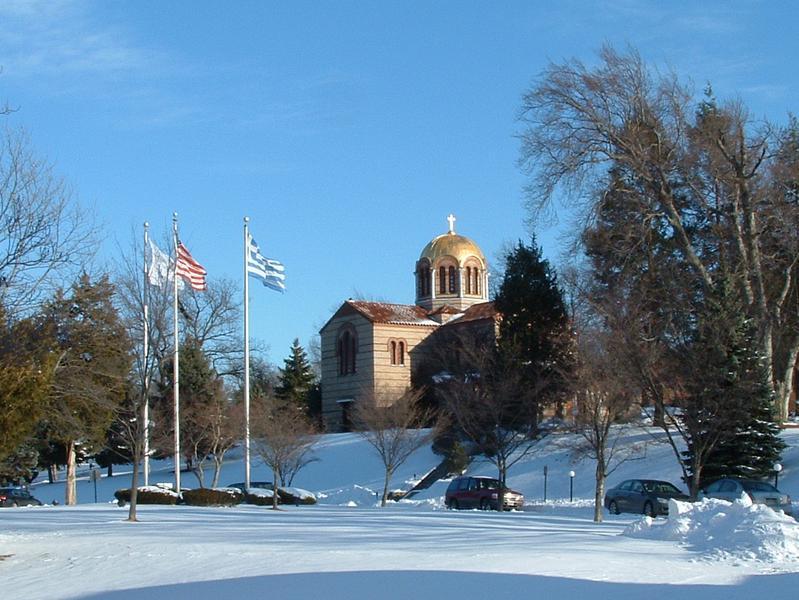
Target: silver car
(759,491)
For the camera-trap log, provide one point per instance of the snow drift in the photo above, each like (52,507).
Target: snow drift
(720,529)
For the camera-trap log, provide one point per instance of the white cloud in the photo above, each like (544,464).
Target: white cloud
(46,37)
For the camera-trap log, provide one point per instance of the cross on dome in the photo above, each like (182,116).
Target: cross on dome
(451,219)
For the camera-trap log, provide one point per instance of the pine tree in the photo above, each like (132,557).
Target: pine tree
(727,409)
(297,380)
(752,445)
(534,331)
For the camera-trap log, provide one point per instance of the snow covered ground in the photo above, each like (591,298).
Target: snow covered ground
(346,547)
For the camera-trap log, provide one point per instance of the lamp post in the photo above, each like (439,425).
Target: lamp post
(571,486)
(777,469)
(545,482)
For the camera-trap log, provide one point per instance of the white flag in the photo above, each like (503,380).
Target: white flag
(160,267)
(271,272)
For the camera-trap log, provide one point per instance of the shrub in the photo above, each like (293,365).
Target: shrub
(149,495)
(295,496)
(259,499)
(213,497)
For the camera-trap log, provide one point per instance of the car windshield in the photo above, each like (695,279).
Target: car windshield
(660,487)
(758,486)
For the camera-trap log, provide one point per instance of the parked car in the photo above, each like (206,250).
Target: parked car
(480,492)
(645,496)
(264,485)
(759,491)
(16,496)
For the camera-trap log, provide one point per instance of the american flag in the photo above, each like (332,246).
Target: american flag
(190,269)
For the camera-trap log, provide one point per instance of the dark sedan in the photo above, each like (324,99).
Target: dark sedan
(645,496)
(14,496)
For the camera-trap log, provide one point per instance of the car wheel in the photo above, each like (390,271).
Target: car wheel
(453,504)
(613,508)
(649,510)
(485,504)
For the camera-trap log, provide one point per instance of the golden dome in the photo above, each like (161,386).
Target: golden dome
(451,244)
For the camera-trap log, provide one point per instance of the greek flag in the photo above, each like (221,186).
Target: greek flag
(271,272)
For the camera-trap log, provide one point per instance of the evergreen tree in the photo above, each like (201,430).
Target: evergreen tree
(26,369)
(297,380)
(95,360)
(204,410)
(21,466)
(751,446)
(534,331)
(727,405)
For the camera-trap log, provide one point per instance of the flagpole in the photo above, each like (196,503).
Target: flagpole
(246,359)
(145,365)
(175,364)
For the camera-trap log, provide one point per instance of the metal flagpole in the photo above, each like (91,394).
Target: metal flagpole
(145,365)
(175,367)
(246,358)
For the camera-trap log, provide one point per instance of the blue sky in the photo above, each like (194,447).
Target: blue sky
(346,131)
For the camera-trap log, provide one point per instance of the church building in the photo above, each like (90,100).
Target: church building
(370,350)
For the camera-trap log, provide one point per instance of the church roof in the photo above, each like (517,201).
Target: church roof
(393,314)
(411,314)
(477,312)
(385,313)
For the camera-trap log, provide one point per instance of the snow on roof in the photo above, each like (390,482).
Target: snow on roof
(393,314)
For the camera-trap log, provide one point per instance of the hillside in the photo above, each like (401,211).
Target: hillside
(347,471)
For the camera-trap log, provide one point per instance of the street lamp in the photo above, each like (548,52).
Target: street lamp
(546,469)
(571,486)
(777,469)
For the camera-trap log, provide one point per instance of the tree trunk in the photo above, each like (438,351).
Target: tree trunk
(696,477)
(70,491)
(599,493)
(503,473)
(110,470)
(786,383)
(275,479)
(387,480)
(52,473)
(217,471)
(134,489)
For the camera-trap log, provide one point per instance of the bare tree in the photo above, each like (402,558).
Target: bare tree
(213,318)
(710,187)
(44,236)
(138,301)
(283,438)
(603,400)
(495,405)
(391,426)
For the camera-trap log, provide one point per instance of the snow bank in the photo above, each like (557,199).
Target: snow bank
(717,528)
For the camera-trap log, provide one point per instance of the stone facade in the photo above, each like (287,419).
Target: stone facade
(371,349)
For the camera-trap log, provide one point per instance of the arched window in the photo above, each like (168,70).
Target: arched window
(468,280)
(476,282)
(347,349)
(442,280)
(453,281)
(396,351)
